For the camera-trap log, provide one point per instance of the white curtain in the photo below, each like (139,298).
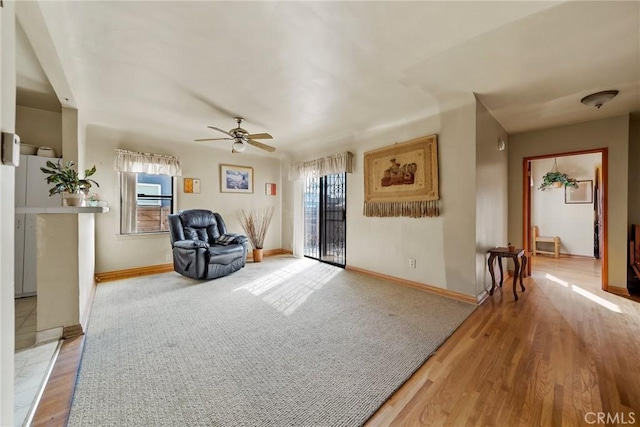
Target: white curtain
(338,163)
(153,164)
(128,203)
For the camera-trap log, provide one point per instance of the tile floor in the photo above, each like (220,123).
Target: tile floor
(25,322)
(32,363)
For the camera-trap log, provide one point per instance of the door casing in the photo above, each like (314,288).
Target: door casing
(526,206)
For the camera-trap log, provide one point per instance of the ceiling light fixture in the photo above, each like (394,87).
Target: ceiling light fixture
(239,146)
(599,98)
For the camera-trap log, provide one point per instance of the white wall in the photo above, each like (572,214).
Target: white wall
(573,223)
(116,252)
(287,192)
(7,207)
(41,128)
(86,265)
(612,133)
(444,247)
(458,197)
(634,172)
(58,266)
(492,186)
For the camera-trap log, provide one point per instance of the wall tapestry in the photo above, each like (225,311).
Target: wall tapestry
(402,179)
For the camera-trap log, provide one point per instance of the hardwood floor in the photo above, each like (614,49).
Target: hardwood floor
(564,351)
(55,403)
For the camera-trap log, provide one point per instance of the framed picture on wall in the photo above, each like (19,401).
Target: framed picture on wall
(236,179)
(582,194)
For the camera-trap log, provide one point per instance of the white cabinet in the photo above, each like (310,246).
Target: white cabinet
(32,190)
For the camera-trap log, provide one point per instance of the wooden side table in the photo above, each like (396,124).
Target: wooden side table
(517,255)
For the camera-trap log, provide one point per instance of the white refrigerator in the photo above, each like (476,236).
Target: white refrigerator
(32,190)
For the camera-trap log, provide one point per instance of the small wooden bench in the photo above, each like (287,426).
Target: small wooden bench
(542,239)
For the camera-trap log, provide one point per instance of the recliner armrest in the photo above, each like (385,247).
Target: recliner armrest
(190,244)
(231,238)
(240,239)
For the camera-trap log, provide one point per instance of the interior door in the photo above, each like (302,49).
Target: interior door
(325,213)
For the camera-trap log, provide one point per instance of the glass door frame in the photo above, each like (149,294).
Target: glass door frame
(320,250)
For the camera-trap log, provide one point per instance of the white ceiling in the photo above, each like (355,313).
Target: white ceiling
(310,72)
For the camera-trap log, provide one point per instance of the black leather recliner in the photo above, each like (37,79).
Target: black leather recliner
(202,248)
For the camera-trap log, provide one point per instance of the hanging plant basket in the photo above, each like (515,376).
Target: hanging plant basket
(557,179)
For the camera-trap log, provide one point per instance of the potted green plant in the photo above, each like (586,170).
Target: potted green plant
(255,224)
(557,179)
(67,181)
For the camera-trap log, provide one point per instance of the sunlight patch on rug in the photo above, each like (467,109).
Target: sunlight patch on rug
(288,295)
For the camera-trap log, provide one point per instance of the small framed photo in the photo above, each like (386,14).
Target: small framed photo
(236,179)
(191,185)
(582,194)
(270,189)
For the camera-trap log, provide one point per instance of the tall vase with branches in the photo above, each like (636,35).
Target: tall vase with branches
(255,224)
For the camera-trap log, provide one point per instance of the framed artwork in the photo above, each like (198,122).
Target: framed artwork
(236,179)
(402,179)
(191,185)
(582,194)
(270,189)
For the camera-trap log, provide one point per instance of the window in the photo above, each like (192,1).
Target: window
(147,191)
(148,207)
(147,194)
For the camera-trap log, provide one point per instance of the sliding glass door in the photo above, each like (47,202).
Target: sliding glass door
(325,215)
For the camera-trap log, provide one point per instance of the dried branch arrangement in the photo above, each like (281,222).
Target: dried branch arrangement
(255,224)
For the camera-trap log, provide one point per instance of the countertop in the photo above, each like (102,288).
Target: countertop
(62,210)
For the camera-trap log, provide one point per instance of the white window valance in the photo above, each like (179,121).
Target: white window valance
(153,164)
(338,163)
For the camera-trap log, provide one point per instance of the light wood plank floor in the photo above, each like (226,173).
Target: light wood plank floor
(563,350)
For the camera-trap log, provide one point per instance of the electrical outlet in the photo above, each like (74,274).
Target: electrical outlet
(412,263)
(168,258)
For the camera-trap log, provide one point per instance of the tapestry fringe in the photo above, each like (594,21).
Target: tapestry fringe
(416,209)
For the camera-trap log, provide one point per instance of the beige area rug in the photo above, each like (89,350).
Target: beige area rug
(285,342)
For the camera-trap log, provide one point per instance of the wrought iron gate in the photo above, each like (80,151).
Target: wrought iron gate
(325,215)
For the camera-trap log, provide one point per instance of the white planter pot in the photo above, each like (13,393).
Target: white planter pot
(72,199)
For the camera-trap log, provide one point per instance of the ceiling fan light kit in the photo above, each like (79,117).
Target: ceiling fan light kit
(599,98)
(241,138)
(238,147)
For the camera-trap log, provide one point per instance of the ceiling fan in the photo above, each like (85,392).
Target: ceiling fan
(241,138)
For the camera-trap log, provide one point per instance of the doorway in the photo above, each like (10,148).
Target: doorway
(590,207)
(325,218)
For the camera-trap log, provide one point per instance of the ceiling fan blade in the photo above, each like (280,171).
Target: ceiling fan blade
(259,136)
(261,145)
(214,139)
(219,130)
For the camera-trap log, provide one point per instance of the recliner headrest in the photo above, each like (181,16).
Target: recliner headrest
(197,218)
